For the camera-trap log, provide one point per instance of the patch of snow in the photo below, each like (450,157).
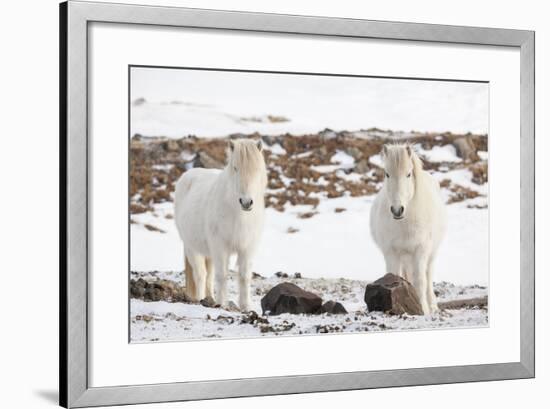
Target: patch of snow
(462,177)
(328,244)
(446,153)
(165,168)
(350,177)
(484,155)
(343,159)
(187,156)
(325,168)
(277,149)
(377,160)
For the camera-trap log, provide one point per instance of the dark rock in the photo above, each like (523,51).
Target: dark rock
(253,318)
(328,134)
(158,290)
(289,298)
(280,274)
(297,275)
(333,307)
(180,296)
(137,288)
(270,140)
(153,294)
(209,302)
(394,295)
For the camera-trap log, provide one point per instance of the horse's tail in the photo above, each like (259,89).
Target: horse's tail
(190,289)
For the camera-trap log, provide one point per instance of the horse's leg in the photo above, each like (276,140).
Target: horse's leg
(209,278)
(420,265)
(197,263)
(244,282)
(190,289)
(393,263)
(406,267)
(220,267)
(432,302)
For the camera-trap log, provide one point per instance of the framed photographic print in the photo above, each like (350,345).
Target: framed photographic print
(258,204)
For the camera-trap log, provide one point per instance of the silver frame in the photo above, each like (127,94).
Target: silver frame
(74,18)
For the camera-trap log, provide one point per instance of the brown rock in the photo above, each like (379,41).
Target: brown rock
(289,298)
(394,295)
(465,148)
(469,303)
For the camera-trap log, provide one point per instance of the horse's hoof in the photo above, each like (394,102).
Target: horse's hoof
(231,306)
(246,309)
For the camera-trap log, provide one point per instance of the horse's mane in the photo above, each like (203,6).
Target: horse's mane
(246,154)
(395,152)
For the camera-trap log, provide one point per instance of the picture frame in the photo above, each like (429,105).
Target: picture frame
(75,388)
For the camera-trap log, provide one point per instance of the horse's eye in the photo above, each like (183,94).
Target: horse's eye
(235,168)
(409,175)
(387,175)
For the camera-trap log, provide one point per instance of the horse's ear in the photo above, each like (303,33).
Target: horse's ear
(259,145)
(385,150)
(231,146)
(409,151)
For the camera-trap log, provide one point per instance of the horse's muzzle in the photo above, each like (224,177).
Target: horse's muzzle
(397,212)
(246,204)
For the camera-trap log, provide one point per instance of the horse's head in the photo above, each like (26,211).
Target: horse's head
(246,167)
(400,167)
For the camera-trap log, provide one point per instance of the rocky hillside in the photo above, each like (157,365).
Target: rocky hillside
(302,170)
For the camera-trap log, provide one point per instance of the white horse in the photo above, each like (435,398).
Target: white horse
(220,213)
(408,220)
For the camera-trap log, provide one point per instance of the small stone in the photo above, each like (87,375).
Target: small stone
(153,294)
(289,298)
(333,307)
(394,295)
(465,148)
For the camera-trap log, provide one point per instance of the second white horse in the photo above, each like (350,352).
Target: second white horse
(408,221)
(219,213)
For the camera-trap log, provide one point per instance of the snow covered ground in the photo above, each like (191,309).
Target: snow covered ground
(330,245)
(165,321)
